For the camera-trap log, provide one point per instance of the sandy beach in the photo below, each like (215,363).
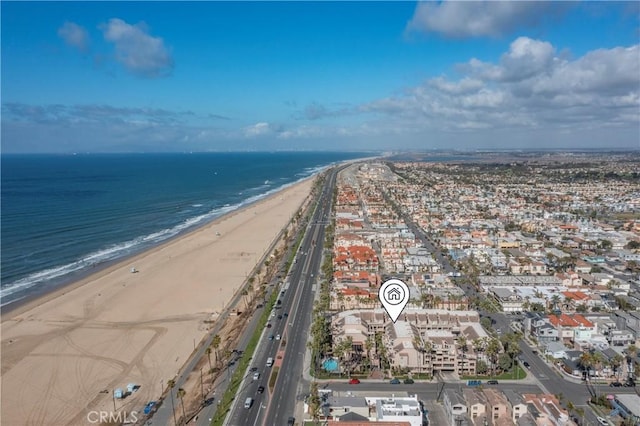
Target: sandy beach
(116,327)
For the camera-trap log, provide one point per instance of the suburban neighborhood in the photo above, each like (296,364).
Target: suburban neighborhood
(550,244)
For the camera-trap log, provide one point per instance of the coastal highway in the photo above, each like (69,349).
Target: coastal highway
(265,346)
(164,413)
(274,408)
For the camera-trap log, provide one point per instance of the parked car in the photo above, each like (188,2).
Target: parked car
(492,382)
(254,369)
(279,316)
(408,381)
(291,421)
(603,421)
(395,381)
(526,364)
(615,384)
(354,381)
(208,401)
(149,407)
(260,389)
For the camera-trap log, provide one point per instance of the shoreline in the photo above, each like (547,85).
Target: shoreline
(63,349)
(29,301)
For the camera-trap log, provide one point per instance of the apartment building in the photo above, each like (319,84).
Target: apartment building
(421,340)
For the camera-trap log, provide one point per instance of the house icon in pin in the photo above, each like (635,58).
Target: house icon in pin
(394,295)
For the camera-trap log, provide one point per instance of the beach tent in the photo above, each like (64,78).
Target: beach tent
(118,393)
(131,387)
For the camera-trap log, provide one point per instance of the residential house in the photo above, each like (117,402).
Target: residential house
(518,405)
(455,406)
(546,409)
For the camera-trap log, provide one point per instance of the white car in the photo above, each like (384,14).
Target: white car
(278,337)
(603,421)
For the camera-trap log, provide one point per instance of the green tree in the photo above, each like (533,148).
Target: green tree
(504,362)
(485,322)
(633,245)
(605,245)
(622,303)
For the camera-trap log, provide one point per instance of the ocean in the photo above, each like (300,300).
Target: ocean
(64,215)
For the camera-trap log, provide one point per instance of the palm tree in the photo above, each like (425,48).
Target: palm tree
(341,301)
(597,360)
(478,345)
(567,301)
(418,344)
(492,350)
(314,401)
(181,394)
(215,342)
(555,299)
(339,352)
(437,300)
(462,344)
(368,345)
(244,298)
(348,350)
(208,352)
(428,349)
(580,413)
(170,385)
(586,362)
(570,407)
(616,364)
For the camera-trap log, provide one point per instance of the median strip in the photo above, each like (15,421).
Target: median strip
(236,380)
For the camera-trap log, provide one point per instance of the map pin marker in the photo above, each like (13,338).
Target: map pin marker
(394,295)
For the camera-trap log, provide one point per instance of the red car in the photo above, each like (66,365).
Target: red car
(354,381)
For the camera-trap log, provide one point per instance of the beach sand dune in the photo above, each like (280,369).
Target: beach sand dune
(116,327)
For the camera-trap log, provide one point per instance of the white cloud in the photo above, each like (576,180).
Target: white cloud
(136,50)
(258,129)
(529,87)
(74,35)
(460,19)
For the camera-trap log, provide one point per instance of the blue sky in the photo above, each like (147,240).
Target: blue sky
(210,76)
